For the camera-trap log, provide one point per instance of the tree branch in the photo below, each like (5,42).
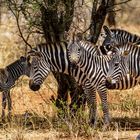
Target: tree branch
(122,2)
(16,15)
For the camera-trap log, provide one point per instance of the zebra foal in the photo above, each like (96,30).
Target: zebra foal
(8,76)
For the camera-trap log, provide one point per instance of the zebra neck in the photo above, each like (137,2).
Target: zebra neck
(15,71)
(124,37)
(89,47)
(87,62)
(56,57)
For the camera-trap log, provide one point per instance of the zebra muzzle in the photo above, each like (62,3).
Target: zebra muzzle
(33,86)
(108,79)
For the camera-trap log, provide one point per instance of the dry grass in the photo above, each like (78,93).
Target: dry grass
(34,115)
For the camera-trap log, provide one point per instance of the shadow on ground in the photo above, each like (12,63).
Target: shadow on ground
(34,122)
(127,123)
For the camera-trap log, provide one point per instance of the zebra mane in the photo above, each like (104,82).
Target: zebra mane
(19,61)
(119,31)
(123,34)
(88,46)
(128,47)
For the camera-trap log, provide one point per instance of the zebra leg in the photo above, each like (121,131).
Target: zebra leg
(62,92)
(102,90)
(92,104)
(76,94)
(78,99)
(9,105)
(61,100)
(3,105)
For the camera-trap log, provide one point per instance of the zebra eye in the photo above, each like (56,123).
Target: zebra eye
(116,64)
(108,47)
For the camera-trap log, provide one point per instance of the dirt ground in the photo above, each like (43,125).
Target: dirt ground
(124,109)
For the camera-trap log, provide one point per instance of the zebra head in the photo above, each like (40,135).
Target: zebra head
(12,72)
(118,68)
(74,50)
(109,40)
(38,70)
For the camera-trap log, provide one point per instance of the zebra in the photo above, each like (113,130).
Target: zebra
(117,37)
(8,76)
(54,57)
(95,68)
(114,64)
(127,82)
(131,53)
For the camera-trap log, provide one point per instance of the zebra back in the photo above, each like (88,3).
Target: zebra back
(118,37)
(14,71)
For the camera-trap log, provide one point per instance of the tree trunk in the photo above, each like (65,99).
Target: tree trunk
(111,15)
(98,16)
(54,25)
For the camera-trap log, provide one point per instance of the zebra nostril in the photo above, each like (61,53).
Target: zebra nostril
(108,79)
(33,86)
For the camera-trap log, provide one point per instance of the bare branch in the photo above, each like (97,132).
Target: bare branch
(16,15)
(122,2)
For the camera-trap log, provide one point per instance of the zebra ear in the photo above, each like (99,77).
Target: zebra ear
(79,37)
(108,31)
(28,58)
(4,72)
(23,59)
(3,75)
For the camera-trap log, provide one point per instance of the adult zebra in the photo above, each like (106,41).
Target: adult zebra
(117,37)
(131,54)
(48,58)
(8,76)
(54,57)
(95,68)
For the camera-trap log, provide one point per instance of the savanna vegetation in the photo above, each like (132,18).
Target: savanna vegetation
(23,24)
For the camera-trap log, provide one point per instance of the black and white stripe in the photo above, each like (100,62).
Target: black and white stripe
(95,67)
(48,58)
(8,76)
(127,82)
(54,57)
(131,53)
(118,37)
